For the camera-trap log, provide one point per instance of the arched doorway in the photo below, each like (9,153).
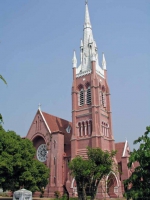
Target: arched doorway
(112,185)
(74,187)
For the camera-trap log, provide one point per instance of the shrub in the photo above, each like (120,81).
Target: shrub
(57,194)
(4,194)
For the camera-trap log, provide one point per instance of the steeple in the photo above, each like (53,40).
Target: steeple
(87,40)
(87,17)
(88,48)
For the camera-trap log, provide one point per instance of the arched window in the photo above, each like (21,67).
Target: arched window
(88,99)
(81,97)
(87,128)
(102,127)
(103,99)
(79,129)
(105,129)
(40,124)
(83,128)
(36,125)
(90,127)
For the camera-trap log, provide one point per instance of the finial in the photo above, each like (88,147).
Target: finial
(86,2)
(39,106)
(103,61)
(81,44)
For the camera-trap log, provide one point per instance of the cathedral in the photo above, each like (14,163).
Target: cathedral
(57,140)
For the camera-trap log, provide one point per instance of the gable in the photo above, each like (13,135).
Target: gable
(119,147)
(38,126)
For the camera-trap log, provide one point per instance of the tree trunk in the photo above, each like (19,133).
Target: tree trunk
(84,193)
(94,187)
(81,189)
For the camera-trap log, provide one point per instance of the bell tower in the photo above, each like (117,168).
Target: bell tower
(91,112)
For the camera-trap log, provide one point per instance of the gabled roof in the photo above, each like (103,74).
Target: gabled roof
(119,148)
(57,124)
(123,150)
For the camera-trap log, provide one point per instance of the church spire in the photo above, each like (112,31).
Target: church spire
(87,17)
(87,41)
(88,48)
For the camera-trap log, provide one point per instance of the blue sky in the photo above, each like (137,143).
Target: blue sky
(37,39)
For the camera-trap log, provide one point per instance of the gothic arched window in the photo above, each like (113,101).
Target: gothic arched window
(87,128)
(88,98)
(79,125)
(105,129)
(81,96)
(83,128)
(104,100)
(90,128)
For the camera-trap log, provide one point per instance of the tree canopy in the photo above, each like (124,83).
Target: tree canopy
(18,167)
(89,172)
(138,185)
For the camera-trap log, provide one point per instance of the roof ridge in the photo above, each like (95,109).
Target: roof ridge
(56,116)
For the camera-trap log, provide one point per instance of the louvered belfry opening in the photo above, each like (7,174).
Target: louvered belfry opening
(89,96)
(81,97)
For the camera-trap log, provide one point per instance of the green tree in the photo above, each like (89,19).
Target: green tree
(81,171)
(88,173)
(1,120)
(18,167)
(137,186)
(102,164)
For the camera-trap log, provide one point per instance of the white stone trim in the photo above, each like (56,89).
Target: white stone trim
(44,120)
(83,73)
(100,74)
(125,147)
(72,182)
(115,177)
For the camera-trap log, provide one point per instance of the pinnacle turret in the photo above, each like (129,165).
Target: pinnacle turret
(74,60)
(103,61)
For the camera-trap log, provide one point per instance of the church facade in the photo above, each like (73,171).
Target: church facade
(57,141)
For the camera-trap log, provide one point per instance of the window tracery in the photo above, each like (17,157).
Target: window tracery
(105,129)
(84,128)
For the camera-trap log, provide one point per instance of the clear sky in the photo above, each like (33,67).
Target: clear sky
(37,39)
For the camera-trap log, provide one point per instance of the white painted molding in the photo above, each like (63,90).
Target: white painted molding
(124,150)
(44,120)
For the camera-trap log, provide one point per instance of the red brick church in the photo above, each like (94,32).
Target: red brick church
(58,141)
